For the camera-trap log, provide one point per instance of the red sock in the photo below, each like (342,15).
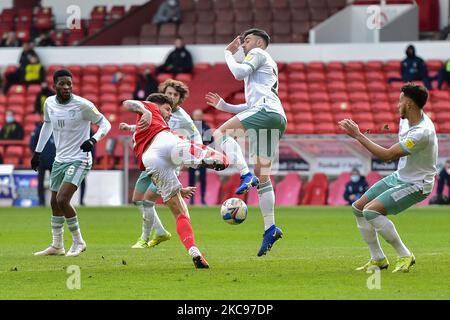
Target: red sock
(184,230)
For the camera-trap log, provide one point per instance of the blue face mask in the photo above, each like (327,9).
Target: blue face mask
(355,179)
(9,119)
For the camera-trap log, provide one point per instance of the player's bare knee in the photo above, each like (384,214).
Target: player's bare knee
(62,200)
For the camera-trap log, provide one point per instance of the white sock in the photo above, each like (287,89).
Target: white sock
(148,213)
(158,226)
(369,235)
(267,203)
(386,228)
(234,153)
(74,228)
(194,252)
(58,231)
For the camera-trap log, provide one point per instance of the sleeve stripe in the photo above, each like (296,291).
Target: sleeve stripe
(249,64)
(99,120)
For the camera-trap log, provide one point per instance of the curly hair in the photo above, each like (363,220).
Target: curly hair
(179,87)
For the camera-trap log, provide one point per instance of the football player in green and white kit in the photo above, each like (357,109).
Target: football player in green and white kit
(145,192)
(261,117)
(69,118)
(417,151)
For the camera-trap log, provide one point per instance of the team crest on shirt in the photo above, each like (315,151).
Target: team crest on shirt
(249,57)
(409,143)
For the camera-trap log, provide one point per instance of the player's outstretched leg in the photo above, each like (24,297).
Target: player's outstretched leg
(184,229)
(224,140)
(147,209)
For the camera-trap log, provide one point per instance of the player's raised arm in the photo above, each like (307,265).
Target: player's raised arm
(214,100)
(239,70)
(386,154)
(139,108)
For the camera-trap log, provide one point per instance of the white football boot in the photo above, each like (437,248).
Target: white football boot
(51,251)
(76,249)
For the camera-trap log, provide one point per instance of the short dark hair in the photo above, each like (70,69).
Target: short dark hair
(417,93)
(160,99)
(61,73)
(257,32)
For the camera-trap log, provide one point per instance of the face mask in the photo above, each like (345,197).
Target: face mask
(9,119)
(448,171)
(355,179)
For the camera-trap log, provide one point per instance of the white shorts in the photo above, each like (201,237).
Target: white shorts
(164,157)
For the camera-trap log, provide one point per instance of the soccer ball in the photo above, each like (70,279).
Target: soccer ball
(234,211)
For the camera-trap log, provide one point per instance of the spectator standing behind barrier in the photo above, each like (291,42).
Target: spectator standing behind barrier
(41,97)
(444,75)
(46,160)
(25,59)
(168,11)
(413,68)
(204,130)
(145,85)
(34,72)
(356,187)
(12,130)
(178,61)
(444,179)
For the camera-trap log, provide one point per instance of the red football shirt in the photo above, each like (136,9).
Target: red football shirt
(142,138)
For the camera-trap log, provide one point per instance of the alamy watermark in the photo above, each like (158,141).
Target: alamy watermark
(74,280)
(374,281)
(376,19)
(73,21)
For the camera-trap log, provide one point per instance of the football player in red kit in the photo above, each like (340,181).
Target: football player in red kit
(160,153)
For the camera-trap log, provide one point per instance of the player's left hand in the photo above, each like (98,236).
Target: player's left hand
(145,121)
(234,46)
(88,145)
(350,127)
(188,192)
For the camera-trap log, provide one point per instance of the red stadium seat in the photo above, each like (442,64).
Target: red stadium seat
(339,95)
(288,191)
(296,66)
(356,87)
(361,107)
(373,66)
(359,97)
(325,128)
(335,66)
(316,77)
(337,189)
(319,97)
(316,190)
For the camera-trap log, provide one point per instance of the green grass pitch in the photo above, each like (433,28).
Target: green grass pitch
(315,259)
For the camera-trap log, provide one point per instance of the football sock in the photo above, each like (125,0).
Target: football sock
(267,203)
(57,231)
(74,228)
(369,235)
(158,226)
(184,230)
(194,252)
(234,153)
(148,214)
(386,228)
